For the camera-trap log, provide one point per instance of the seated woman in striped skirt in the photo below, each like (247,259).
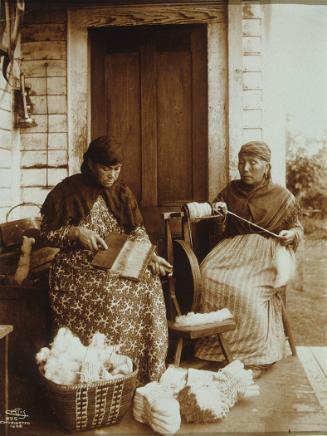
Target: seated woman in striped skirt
(242,272)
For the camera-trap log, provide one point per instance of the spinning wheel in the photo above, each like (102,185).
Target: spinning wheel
(185,290)
(187,277)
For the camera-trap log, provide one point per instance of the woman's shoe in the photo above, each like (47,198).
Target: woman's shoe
(256,373)
(258,370)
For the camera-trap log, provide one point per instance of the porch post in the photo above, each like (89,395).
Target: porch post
(78,91)
(235,83)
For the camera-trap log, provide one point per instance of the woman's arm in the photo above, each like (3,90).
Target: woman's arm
(218,226)
(292,233)
(71,236)
(60,237)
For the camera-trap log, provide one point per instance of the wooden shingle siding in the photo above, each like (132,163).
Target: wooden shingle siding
(5,100)
(6,119)
(36,68)
(48,13)
(252,63)
(251,45)
(38,141)
(42,176)
(51,86)
(44,159)
(252,118)
(54,123)
(5,197)
(252,80)
(44,32)
(4,85)
(54,104)
(38,159)
(252,76)
(5,158)
(44,50)
(252,134)
(251,27)
(34,195)
(5,177)
(55,175)
(33,177)
(252,99)
(252,9)
(6,138)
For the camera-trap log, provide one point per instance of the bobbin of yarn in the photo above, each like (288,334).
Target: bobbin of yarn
(197,210)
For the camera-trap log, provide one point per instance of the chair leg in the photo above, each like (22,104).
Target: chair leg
(288,330)
(178,352)
(225,348)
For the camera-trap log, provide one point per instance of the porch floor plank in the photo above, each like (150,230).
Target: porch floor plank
(320,354)
(314,361)
(287,404)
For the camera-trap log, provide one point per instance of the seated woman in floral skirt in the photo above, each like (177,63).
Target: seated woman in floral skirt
(77,215)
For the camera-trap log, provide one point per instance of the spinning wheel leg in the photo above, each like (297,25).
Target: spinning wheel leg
(178,352)
(225,348)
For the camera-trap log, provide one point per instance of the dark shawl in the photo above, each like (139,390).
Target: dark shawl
(73,198)
(269,205)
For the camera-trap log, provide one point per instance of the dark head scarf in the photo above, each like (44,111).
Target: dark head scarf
(73,198)
(104,150)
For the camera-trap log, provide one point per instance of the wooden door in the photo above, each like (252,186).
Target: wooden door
(149,89)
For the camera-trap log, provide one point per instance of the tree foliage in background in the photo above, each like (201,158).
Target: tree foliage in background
(306,178)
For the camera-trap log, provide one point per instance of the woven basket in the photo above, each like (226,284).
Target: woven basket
(88,405)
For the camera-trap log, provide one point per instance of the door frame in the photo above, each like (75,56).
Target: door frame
(213,14)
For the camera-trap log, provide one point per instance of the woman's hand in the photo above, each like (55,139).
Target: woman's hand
(160,266)
(286,237)
(219,208)
(88,238)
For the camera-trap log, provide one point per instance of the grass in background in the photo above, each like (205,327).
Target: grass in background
(307,295)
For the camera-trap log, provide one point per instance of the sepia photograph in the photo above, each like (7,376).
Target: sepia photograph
(163,217)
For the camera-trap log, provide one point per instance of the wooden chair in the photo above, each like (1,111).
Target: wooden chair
(185,288)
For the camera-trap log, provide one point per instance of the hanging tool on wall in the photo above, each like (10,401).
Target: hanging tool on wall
(23,105)
(11,14)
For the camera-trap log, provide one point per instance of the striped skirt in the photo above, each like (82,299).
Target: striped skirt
(239,274)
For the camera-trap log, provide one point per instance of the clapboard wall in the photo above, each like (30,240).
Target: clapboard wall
(252,75)
(9,151)
(44,157)
(245,30)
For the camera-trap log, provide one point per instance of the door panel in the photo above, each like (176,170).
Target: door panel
(123,112)
(155,102)
(174,127)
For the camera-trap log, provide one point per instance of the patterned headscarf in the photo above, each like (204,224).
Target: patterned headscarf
(257,148)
